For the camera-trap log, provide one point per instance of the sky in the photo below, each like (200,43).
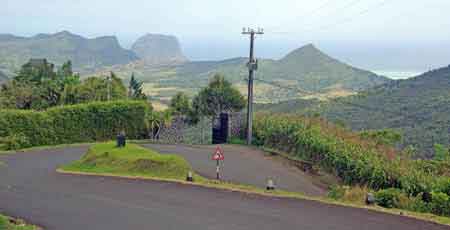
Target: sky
(379,35)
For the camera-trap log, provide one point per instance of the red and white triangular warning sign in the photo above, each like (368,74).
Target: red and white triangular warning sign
(218,154)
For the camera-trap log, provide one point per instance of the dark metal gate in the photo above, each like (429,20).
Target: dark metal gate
(220,129)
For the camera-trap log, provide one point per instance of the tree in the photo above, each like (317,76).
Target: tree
(180,104)
(19,95)
(135,90)
(218,97)
(66,70)
(97,89)
(35,71)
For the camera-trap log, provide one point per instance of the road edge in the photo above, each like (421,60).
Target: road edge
(275,194)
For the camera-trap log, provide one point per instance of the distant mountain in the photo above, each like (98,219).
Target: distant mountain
(314,70)
(60,47)
(419,107)
(159,49)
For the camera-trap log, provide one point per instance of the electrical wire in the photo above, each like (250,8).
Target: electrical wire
(342,21)
(310,13)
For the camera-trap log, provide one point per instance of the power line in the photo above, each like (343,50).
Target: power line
(344,20)
(353,18)
(339,9)
(310,13)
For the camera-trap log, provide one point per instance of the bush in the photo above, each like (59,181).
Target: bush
(440,203)
(15,141)
(388,198)
(336,192)
(96,121)
(356,160)
(442,185)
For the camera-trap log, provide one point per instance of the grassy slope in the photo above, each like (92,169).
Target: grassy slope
(132,160)
(20,225)
(419,107)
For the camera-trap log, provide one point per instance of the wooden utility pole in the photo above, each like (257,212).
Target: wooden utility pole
(252,67)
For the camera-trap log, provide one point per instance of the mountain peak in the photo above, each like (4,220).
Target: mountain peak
(64,33)
(158,48)
(309,46)
(305,52)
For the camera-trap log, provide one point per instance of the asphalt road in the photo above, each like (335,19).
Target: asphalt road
(31,189)
(244,165)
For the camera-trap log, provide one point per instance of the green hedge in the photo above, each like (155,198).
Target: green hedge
(333,148)
(354,160)
(96,121)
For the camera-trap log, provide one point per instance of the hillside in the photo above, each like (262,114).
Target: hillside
(60,47)
(307,68)
(158,48)
(313,70)
(419,107)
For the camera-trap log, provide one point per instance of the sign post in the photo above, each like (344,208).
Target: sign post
(218,170)
(218,156)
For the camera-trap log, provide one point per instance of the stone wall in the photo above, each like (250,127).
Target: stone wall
(180,131)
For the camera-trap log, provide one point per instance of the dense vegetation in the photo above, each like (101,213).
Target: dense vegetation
(357,161)
(39,86)
(96,121)
(132,160)
(418,108)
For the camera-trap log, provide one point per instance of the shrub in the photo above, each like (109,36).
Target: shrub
(336,192)
(96,121)
(388,198)
(15,141)
(442,185)
(353,159)
(440,203)
(416,204)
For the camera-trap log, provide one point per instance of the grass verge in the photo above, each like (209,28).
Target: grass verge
(135,162)
(132,161)
(7,223)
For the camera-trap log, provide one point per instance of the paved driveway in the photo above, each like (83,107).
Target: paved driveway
(244,165)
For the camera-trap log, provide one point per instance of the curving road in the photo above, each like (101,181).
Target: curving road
(31,189)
